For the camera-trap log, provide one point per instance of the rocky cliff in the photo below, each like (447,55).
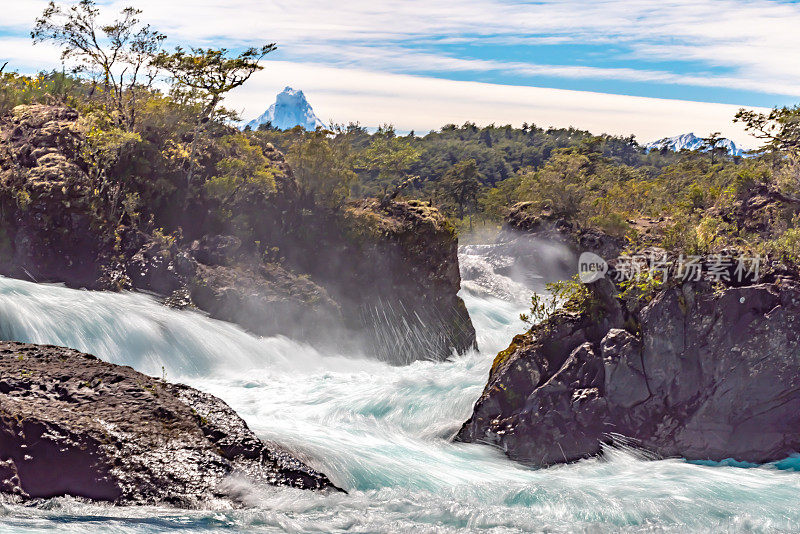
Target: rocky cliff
(71,424)
(702,371)
(385,273)
(393,267)
(526,219)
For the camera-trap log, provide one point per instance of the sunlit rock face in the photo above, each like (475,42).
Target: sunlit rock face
(71,424)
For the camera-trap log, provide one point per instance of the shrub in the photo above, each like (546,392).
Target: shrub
(569,295)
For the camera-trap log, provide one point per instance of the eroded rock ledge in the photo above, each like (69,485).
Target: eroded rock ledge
(701,372)
(71,424)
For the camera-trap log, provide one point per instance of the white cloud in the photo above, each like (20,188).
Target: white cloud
(20,14)
(421,103)
(396,60)
(365,45)
(755,40)
(23,56)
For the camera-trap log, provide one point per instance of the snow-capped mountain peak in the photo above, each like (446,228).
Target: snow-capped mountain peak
(689,141)
(289,110)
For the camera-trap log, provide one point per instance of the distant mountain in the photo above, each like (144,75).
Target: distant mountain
(690,141)
(289,110)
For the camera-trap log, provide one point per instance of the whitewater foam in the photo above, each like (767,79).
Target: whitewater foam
(381,431)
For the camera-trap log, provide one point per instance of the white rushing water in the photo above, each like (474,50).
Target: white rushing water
(380,431)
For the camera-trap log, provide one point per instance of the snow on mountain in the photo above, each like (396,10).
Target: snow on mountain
(289,110)
(690,141)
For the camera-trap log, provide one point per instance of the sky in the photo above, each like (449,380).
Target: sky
(648,68)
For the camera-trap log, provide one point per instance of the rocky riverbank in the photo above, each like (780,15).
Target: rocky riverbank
(71,424)
(694,369)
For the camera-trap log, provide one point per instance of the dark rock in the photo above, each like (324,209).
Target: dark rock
(156,269)
(387,272)
(393,269)
(401,264)
(265,299)
(529,219)
(71,424)
(9,479)
(702,374)
(625,380)
(216,250)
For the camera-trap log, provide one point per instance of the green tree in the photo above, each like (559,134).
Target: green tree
(709,144)
(105,143)
(322,166)
(208,74)
(120,54)
(561,185)
(496,201)
(460,186)
(243,170)
(780,128)
(390,157)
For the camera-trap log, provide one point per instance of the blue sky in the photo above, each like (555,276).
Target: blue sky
(374,61)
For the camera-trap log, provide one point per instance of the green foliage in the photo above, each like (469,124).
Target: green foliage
(16,89)
(322,165)
(786,247)
(104,140)
(244,170)
(640,289)
(203,76)
(560,186)
(104,144)
(611,222)
(571,296)
(387,159)
(787,175)
(779,129)
(459,188)
(211,71)
(119,54)
(496,200)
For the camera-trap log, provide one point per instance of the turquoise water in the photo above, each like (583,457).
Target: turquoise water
(381,432)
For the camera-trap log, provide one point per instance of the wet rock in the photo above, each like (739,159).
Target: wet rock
(71,424)
(625,380)
(412,308)
(393,269)
(527,218)
(265,299)
(216,250)
(701,372)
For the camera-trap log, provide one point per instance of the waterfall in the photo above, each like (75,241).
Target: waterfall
(380,431)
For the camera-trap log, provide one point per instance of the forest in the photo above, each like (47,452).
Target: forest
(160,136)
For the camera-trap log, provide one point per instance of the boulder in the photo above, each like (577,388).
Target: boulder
(397,278)
(266,299)
(700,372)
(71,424)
